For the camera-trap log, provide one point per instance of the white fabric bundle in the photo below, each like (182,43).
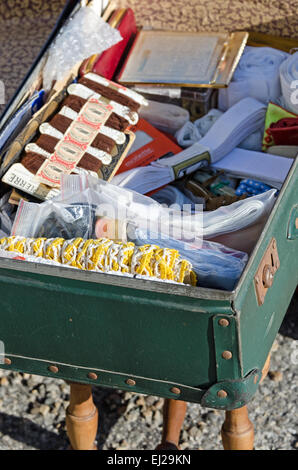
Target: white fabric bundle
(240,121)
(193,132)
(289,82)
(229,130)
(270,169)
(238,215)
(257,76)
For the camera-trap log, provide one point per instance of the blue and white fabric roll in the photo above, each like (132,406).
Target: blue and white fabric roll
(256,76)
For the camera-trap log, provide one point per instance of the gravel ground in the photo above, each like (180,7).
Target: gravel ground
(32,409)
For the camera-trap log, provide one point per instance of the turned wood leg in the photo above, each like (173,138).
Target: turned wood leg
(173,417)
(81,418)
(237,431)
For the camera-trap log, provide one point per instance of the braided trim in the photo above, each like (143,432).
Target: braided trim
(105,255)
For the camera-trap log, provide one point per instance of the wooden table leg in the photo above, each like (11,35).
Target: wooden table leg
(81,418)
(237,431)
(173,417)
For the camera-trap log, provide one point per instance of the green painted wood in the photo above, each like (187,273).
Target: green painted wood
(131,332)
(259,324)
(293,224)
(226,341)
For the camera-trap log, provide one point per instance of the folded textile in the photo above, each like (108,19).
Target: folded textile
(228,131)
(238,215)
(289,82)
(270,169)
(285,131)
(192,132)
(280,127)
(257,76)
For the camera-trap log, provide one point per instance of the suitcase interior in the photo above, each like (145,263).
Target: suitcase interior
(161,336)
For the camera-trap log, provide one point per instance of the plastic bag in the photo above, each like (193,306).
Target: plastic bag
(215,265)
(166,117)
(53,219)
(238,215)
(115,203)
(185,226)
(85,34)
(7,214)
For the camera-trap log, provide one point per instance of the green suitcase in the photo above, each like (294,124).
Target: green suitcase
(193,344)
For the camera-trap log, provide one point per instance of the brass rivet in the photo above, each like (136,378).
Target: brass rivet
(130,382)
(222,394)
(53,369)
(176,390)
(7,361)
(223,322)
(227,355)
(92,376)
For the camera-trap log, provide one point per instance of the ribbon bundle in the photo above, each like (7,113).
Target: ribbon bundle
(105,255)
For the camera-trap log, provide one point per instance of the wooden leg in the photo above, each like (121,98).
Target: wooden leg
(81,418)
(173,417)
(237,431)
(266,368)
